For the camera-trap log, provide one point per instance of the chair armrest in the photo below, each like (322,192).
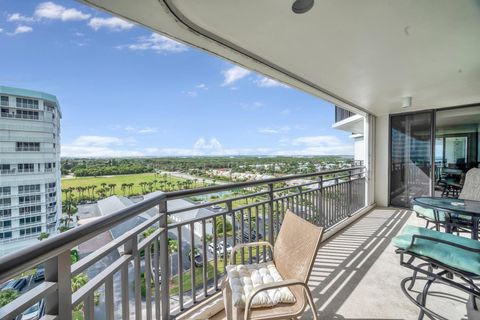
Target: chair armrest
(246,245)
(272,285)
(459,246)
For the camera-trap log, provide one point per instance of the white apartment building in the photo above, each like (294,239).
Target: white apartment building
(30,192)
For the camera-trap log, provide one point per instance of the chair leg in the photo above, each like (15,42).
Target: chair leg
(423,298)
(311,303)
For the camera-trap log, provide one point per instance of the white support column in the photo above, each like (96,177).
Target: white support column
(369,145)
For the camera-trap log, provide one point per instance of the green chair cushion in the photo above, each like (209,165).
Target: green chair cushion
(428,213)
(451,256)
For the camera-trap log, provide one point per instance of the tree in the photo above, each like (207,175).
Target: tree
(112,187)
(43,235)
(172,245)
(7,296)
(219,226)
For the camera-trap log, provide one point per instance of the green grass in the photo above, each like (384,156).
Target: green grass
(118,180)
(187,279)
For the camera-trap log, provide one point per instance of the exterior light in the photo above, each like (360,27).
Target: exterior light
(406,102)
(302,6)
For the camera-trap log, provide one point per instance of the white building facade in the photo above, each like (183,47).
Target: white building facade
(30,191)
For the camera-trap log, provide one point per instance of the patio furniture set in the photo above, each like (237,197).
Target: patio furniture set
(448,254)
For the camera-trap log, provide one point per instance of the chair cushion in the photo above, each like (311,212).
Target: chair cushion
(244,278)
(428,213)
(451,256)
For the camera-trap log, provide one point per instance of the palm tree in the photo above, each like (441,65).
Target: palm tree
(93,191)
(130,186)
(123,187)
(112,187)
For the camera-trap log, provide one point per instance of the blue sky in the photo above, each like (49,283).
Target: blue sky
(127,92)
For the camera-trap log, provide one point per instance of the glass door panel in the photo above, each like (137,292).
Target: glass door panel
(410,157)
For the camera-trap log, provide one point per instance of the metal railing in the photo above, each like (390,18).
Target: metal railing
(175,257)
(342,114)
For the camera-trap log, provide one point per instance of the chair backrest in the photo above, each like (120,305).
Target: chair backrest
(471,187)
(296,247)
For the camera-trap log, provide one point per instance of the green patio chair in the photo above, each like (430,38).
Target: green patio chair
(443,258)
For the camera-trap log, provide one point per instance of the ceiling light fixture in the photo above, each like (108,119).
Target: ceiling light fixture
(406,102)
(302,6)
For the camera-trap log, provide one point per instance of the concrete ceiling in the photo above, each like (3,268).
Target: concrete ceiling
(361,55)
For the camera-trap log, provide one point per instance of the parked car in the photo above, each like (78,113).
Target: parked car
(39,274)
(212,249)
(219,248)
(197,259)
(229,247)
(15,284)
(35,312)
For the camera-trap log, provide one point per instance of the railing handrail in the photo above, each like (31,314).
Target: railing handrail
(13,263)
(238,185)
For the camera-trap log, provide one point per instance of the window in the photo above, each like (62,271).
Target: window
(28,146)
(29,199)
(29,231)
(4,100)
(50,185)
(29,210)
(5,169)
(5,190)
(29,188)
(28,220)
(5,224)
(27,103)
(26,167)
(26,114)
(5,213)
(5,202)
(5,235)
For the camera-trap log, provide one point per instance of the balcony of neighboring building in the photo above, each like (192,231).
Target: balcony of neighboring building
(348,121)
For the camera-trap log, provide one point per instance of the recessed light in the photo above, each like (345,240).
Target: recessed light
(302,6)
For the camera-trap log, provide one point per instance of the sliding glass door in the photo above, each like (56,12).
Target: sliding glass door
(410,157)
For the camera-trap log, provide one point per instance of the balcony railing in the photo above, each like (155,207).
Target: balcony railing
(168,279)
(342,114)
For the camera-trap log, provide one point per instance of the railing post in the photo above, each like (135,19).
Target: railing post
(350,204)
(58,269)
(320,202)
(270,205)
(164,257)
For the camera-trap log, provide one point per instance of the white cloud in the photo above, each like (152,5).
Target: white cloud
(99,146)
(18,17)
(277,130)
(53,11)
(234,74)
(191,93)
(201,86)
(147,130)
(113,24)
(265,82)
(97,141)
(22,29)
(285,112)
(1,30)
(140,130)
(318,145)
(202,144)
(156,43)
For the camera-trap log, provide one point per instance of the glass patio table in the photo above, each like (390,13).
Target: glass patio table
(453,209)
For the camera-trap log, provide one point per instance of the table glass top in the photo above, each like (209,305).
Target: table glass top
(456,205)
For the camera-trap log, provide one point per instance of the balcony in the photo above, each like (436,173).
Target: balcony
(327,198)
(348,121)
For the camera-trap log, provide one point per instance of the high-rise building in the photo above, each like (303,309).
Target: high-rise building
(30,193)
